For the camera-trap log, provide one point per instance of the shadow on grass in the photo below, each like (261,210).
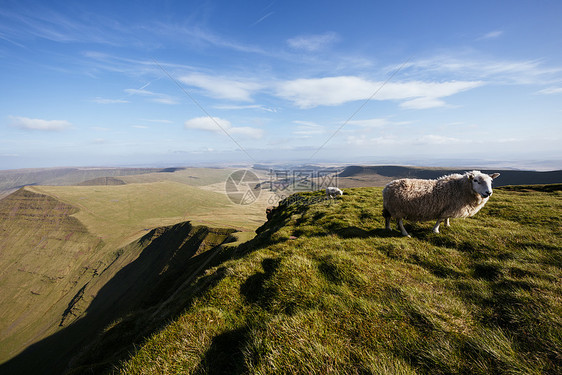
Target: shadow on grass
(356,232)
(225,355)
(254,288)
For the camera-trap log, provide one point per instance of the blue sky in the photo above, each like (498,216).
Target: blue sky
(98,83)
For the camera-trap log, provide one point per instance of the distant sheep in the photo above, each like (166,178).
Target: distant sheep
(333,192)
(452,196)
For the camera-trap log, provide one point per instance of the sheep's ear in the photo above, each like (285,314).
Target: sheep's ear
(495,175)
(470,176)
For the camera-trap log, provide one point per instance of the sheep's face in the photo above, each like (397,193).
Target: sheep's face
(482,183)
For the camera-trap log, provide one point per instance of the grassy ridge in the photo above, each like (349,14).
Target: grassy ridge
(323,289)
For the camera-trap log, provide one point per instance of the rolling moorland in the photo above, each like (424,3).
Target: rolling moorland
(158,273)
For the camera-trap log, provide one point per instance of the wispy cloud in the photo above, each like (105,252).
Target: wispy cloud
(160,121)
(485,69)
(492,35)
(262,19)
(433,139)
(250,106)
(313,43)
(198,36)
(109,101)
(223,88)
(48,23)
(153,96)
(308,128)
(428,139)
(39,124)
(550,91)
(423,103)
(219,126)
(375,123)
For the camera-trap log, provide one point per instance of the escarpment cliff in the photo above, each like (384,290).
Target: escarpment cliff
(60,284)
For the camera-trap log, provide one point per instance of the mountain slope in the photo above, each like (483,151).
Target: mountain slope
(146,272)
(324,289)
(44,251)
(61,281)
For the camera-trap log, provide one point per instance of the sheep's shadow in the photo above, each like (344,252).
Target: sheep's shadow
(356,232)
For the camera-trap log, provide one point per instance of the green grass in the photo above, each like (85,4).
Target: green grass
(121,213)
(189,176)
(324,289)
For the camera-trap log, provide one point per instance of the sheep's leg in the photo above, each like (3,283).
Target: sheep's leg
(387,217)
(436,226)
(447,222)
(402,229)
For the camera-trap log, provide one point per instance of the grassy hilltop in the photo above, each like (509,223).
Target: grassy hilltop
(324,289)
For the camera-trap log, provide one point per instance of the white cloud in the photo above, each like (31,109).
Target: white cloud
(312,43)
(550,91)
(220,126)
(331,91)
(223,88)
(39,124)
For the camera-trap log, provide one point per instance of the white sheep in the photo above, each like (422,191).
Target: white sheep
(333,192)
(452,196)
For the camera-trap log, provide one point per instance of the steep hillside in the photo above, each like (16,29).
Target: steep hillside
(324,289)
(44,252)
(60,284)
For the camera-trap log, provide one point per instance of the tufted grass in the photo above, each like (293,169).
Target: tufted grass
(324,289)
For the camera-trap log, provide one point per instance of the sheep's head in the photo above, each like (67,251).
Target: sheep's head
(482,183)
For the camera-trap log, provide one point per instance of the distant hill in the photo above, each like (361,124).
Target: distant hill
(11,180)
(358,176)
